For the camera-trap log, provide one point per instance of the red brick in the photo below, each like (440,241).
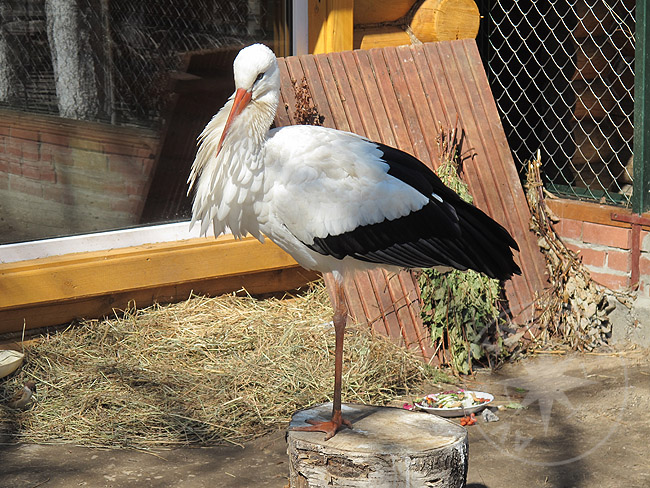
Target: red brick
(59,194)
(135,188)
(14,168)
(125,164)
(146,153)
(570,229)
(644,288)
(618,260)
(591,257)
(14,148)
(645,241)
(31,171)
(29,135)
(47,174)
(23,185)
(87,144)
(606,235)
(92,161)
(123,149)
(55,139)
(60,155)
(147,166)
(31,150)
(614,282)
(123,205)
(45,156)
(644,264)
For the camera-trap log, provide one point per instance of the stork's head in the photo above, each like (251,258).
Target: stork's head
(257,82)
(256,71)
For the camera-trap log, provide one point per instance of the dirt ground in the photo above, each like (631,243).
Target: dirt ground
(585,424)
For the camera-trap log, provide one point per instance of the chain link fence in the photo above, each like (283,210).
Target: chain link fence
(109,60)
(562,74)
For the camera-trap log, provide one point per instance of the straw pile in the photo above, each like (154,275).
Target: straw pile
(205,371)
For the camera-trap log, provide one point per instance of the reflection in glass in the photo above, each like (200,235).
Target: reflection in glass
(101,103)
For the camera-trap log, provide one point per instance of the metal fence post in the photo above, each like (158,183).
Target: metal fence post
(641,195)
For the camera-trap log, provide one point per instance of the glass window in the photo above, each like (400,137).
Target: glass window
(101,103)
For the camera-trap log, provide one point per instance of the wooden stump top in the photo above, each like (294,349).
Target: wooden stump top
(387,429)
(387,446)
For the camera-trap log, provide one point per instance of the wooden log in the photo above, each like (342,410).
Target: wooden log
(376,11)
(434,20)
(446,20)
(593,18)
(387,447)
(388,35)
(595,142)
(594,57)
(594,100)
(623,77)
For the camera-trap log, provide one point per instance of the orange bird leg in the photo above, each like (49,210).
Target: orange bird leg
(340,318)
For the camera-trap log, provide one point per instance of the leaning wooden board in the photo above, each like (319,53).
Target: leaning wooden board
(402,96)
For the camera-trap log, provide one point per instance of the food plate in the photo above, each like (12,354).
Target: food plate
(10,361)
(470,399)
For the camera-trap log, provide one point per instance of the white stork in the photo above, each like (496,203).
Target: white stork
(333,200)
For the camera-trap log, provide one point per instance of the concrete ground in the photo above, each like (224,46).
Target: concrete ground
(585,424)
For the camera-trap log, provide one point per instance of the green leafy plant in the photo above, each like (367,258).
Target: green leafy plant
(459,307)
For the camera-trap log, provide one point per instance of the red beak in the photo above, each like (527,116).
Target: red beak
(242,98)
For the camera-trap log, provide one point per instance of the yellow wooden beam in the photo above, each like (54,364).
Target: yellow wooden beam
(330,25)
(56,290)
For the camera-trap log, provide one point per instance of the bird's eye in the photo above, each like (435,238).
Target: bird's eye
(259,77)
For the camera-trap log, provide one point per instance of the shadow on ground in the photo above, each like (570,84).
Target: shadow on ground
(583,427)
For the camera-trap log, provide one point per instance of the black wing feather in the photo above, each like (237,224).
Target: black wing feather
(445,232)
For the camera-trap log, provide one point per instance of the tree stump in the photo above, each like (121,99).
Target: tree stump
(387,447)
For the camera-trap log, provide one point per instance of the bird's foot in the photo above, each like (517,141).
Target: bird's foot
(330,427)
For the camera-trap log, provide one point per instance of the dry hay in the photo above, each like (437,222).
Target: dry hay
(204,371)
(575,309)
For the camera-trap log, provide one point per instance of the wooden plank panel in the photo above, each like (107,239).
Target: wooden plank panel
(480,178)
(411,290)
(340,119)
(400,301)
(405,105)
(361,96)
(384,304)
(433,92)
(389,100)
(296,73)
(287,109)
(437,63)
(351,106)
(501,194)
(362,285)
(420,102)
(317,90)
(401,97)
(514,194)
(379,110)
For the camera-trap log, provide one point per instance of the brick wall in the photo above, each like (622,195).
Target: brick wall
(60,177)
(606,248)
